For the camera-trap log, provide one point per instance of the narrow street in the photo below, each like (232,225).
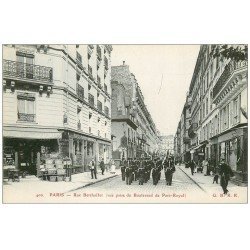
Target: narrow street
(181,183)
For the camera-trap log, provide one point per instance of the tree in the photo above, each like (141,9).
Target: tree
(234,52)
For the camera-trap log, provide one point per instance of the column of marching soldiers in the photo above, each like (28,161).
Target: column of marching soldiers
(141,169)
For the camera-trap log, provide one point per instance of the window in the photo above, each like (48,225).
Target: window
(91,100)
(26,107)
(204,110)
(211,100)
(25,64)
(79,115)
(225,117)
(106,110)
(211,71)
(207,79)
(206,106)
(99,105)
(217,62)
(235,111)
(90,148)
(80,92)
(78,57)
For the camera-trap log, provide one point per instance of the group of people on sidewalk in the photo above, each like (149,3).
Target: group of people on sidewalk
(110,167)
(223,172)
(141,170)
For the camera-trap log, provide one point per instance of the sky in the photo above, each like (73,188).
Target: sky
(173,65)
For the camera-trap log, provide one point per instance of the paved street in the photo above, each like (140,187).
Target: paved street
(181,183)
(116,190)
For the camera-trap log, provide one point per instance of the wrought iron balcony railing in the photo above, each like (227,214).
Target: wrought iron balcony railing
(229,70)
(26,117)
(27,71)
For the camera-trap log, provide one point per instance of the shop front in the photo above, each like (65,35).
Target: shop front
(232,146)
(27,148)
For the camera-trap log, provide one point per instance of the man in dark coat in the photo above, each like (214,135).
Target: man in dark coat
(141,175)
(169,170)
(128,174)
(123,167)
(102,166)
(225,173)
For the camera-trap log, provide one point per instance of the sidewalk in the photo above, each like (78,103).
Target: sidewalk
(31,186)
(206,183)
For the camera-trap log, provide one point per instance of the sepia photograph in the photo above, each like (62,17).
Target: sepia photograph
(125,123)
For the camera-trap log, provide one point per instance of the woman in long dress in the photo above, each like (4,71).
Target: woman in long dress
(112,168)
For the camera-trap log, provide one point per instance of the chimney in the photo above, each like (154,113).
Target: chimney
(123,62)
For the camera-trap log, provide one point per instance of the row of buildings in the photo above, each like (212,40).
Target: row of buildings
(213,122)
(67,101)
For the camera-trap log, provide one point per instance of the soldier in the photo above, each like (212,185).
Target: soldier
(155,174)
(141,174)
(159,167)
(169,170)
(123,167)
(128,174)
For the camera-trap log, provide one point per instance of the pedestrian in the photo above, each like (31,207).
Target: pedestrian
(123,167)
(102,166)
(155,174)
(92,167)
(225,173)
(112,169)
(192,166)
(216,175)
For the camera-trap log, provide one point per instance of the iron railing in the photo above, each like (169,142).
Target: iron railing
(27,71)
(26,117)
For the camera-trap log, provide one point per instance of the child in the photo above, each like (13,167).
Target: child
(216,175)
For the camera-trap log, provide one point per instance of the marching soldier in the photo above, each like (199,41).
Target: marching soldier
(169,170)
(123,168)
(141,175)
(155,174)
(128,174)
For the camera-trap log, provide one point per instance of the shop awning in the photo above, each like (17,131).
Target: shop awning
(31,133)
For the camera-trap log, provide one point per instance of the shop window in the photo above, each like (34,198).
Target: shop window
(90,148)
(26,107)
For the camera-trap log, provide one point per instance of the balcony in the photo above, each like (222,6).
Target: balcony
(230,69)
(26,117)
(192,129)
(25,71)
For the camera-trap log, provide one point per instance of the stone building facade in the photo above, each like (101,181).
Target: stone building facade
(134,130)
(218,129)
(56,101)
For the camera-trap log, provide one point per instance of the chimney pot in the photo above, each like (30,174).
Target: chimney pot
(123,62)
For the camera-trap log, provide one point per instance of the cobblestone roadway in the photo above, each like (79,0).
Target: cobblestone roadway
(181,183)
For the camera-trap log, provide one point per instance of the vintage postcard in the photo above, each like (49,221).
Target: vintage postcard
(125,123)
